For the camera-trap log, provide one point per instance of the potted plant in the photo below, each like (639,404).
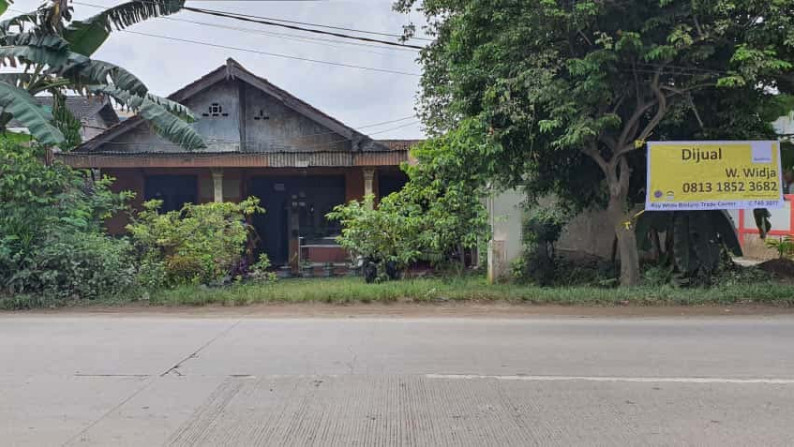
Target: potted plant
(307,271)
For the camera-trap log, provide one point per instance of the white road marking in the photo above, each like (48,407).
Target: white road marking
(697,380)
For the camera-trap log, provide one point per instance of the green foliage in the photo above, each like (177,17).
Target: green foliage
(199,244)
(383,236)
(21,105)
(51,240)
(86,36)
(437,213)
(70,264)
(66,122)
(784,246)
(541,230)
(695,241)
(260,272)
(571,90)
(52,52)
(748,287)
(446,186)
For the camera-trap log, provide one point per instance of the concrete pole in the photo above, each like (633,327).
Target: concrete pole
(491,258)
(217,183)
(369,176)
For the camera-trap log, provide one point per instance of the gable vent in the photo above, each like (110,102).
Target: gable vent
(215,110)
(261,115)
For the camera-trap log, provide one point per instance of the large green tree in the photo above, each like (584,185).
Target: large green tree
(51,53)
(573,89)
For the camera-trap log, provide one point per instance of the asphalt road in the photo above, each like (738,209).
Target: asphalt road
(560,381)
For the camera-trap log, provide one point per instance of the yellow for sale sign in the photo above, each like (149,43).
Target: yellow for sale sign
(705,175)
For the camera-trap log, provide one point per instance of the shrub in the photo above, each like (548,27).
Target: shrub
(784,246)
(435,217)
(51,239)
(199,244)
(384,238)
(541,230)
(76,265)
(260,271)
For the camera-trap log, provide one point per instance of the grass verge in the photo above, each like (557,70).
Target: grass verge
(433,290)
(354,290)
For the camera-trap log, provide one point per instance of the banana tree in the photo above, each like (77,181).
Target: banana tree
(694,240)
(51,53)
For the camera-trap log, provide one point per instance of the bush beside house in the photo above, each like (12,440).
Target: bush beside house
(53,247)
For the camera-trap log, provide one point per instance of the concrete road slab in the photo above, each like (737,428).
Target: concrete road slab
(46,410)
(146,381)
(421,411)
(96,346)
(151,416)
(654,347)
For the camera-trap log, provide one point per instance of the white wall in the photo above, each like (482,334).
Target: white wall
(505,213)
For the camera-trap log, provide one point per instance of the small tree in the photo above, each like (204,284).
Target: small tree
(448,184)
(572,90)
(438,212)
(387,236)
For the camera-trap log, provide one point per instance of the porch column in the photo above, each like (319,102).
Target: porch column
(217,183)
(369,176)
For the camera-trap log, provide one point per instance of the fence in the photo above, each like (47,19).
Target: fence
(782,221)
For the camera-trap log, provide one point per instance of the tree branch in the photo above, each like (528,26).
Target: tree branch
(661,108)
(619,103)
(695,111)
(633,122)
(592,151)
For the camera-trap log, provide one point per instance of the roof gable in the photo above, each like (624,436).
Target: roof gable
(233,71)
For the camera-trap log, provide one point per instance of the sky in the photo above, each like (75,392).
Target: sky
(354,96)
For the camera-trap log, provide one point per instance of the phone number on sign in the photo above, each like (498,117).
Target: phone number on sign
(752,186)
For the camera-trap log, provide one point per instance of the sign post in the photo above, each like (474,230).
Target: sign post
(708,175)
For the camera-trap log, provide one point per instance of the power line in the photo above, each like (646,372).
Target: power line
(284,23)
(385,122)
(314,40)
(252,19)
(306,39)
(318,25)
(394,128)
(266,53)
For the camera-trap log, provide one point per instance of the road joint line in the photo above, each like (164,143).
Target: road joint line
(694,380)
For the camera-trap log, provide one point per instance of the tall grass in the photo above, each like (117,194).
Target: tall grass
(354,290)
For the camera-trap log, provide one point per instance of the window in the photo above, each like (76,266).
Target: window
(173,190)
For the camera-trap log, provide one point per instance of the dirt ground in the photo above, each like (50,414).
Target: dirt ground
(412,310)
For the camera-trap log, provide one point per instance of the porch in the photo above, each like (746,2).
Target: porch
(293,231)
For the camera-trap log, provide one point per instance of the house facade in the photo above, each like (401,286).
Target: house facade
(263,142)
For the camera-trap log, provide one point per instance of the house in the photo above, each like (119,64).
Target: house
(261,141)
(95,113)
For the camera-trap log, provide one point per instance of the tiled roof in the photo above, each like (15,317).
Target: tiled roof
(81,107)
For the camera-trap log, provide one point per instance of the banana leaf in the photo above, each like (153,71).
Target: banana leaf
(24,107)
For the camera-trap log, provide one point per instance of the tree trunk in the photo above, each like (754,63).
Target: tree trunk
(627,242)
